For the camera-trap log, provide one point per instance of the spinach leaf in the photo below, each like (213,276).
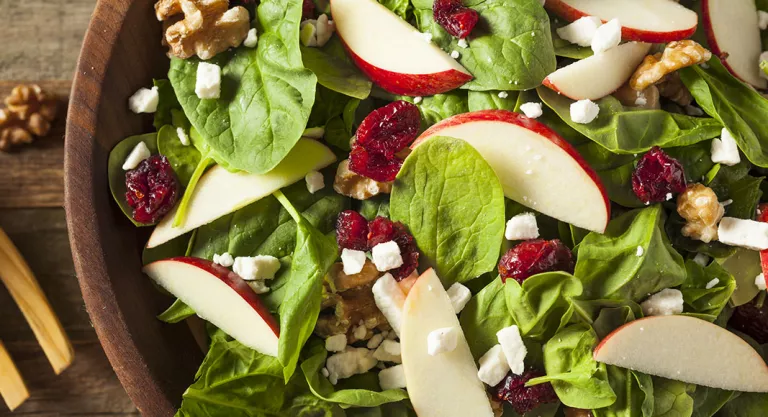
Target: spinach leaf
(206,159)
(608,264)
(401,8)
(672,398)
(737,106)
(336,74)
(563,47)
(377,206)
(116,174)
(611,318)
(490,100)
(510,48)
(177,312)
(634,394)
(453,204)
(441,106)
(542,305)
(266,93)
(708,401)
(314,254)
(629,131)
(308,405)
(167,103)
(484,315)
(183,159)
(706,303)
(579,381)
(746,405)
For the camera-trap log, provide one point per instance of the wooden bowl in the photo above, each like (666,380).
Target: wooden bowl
(155,362)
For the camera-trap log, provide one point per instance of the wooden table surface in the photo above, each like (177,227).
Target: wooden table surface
(40,43)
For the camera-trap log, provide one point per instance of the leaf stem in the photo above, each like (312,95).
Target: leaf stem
(181,212)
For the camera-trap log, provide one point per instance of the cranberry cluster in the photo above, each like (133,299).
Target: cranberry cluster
(152,189)
(384,132)
(657,177)
(524,399)
(454,17)
(534,257)
(353,231)
(751,319)
(308,10)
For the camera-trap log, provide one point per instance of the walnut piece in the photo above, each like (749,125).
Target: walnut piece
(677,54)
(29,112)
(699,206)
(357,186)
(672,87)
(207,27)
(646,99)
(13,131)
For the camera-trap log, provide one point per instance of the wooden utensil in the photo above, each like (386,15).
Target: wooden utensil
(12,387)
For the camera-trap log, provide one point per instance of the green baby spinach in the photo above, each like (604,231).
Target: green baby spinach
(452,202)
(308,405)
(167,103)
(401,8)
(672,398)
(708,401)
(747,404)
(634,394)
(484,315)
(177,312)
(490,100)
(183,159)
(314,255)
(205,160)
(266,93)
(116,173)
(706,303)
(609,266)
(335,73)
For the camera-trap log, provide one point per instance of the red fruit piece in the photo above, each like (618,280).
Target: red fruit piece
(657,177)
(381,230)
(524,399)
(308,10)
(534,257)
(762,216)
(752,320)
(454,17)
(374,165)
(352,231)
(389,129)
(152,189)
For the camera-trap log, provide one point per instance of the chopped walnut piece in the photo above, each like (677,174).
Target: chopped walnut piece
(357,186)
(672,87)
(342,282)
(207,27)
(29,113)
(646,99)
(496,406)
(699,206)
(13,131)
(677,54)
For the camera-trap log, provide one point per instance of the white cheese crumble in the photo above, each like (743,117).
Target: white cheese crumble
(455,54)
(462,43)
(375,341)
(532,110)
(360,331)
(225,259)
(713,283)
(183,137)
(317,32)
(522,227)
(389,299)
(459,295)
(503,94)
(701,259)
(760,282)
(607,36)
(426,36)
(747,234)
(640,251)
(493,366)
(388,351)
(442,340)
(641,100)
(259,287)
(513,347)
(353,261)
(144,101)
(315,181)
(336,343)
(139,153)
(417,100)
(664,303)
(581,32)
(725,150)
(208,81)
(386,256)
(257,268)
(584,111)
(392,378)
(352,361)
(251,39)
(762,20)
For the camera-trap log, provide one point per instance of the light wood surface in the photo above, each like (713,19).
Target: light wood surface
(41,41)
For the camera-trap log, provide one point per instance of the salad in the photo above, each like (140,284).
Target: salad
(444,208)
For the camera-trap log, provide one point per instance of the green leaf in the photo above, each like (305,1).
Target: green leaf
(167,103)
(628,131)
(453,204)
(563,47)
(308,405)
(746,405)
(176,247)
(183,159)
(484,315)
(314,255)
(672,398)
(608,264)
(336,74)
(634,394)
(177,312)
(490,100)
(737,106)
(401,8)
(706,303)
(377,206)
(708,401)
(116,174)
(266,93)
(611,318)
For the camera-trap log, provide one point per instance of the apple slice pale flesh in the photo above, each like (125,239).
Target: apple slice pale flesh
(599,75)
(220,192)
(221,297)
(732,30)
(536,167)
(392,53)
(653,21)
(685,349)
(445,385)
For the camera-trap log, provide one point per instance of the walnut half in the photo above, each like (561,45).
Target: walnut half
(357,186)
(677,54)
(699,206)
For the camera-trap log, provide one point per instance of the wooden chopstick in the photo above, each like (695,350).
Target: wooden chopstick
(12,387)
(26,292)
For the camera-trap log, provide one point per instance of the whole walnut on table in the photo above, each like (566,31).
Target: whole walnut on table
(29,112)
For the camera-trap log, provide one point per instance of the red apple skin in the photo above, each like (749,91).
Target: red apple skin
(712,43)
(525,122)
(235,282)
(570,14)
(763,217)
(414,85)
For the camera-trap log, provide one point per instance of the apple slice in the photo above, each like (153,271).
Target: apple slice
(220,192)
(762,216)
(221,297)
(536,167)
(732,30)
(615,66)
(392,53)
(686,349)
(654,21)
(445,385)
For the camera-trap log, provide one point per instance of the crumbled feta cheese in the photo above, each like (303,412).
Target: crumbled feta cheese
(256,267)
(668,196)
(417,100)
(325,372)
(389,299)
(183,137)
(493,366)
(375,341)
(360,332)
(351,362)
(691,110)
(725,150)
(144,101)
(641,100)
(713,283)
(747,234)
(388,351)
(315,181)
(664,303)
(581,32)
(259,287)
(316,32)
(208,82)
(522,227)
(459,295)
(462,43)
(455,54)
(139,153)
(314,132)
(760,282)
(532,110)
(607,36)
(584,111)
(513,347)
(442,340)
(762,20)
(225,259)
(353,261)
(251,39)
(386,256)
(701,259)
(336,343)
(727,202)
(503,94)
(640,251)
(426,36)
(392,378)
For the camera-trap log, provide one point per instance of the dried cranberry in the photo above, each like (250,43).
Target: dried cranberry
(308,10)
(752,320)
(534,257)
(389,129)
(374,165)
(524,399)
(455,18)
(381,230)
(352,231)
(657,177)
(152,189)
